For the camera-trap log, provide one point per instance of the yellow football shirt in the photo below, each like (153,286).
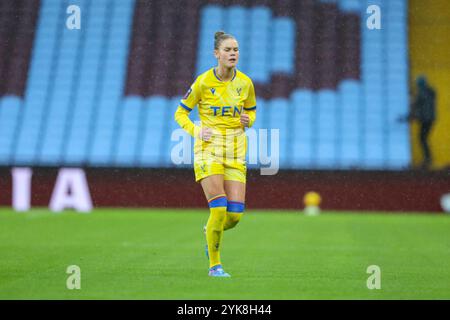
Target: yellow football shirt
(220,104)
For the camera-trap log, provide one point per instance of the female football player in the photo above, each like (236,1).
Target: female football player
(227,105)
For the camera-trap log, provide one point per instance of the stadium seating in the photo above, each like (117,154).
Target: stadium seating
(105,95)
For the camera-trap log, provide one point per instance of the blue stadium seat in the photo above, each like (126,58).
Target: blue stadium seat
(258,61)
(236,22)
(153,134)
(399,151)
(211,21)
(278,113)
(61,97)
(350,5)
(327,112)
(129,131)
(303,131)
(349,100)
(9,116)
(326,157)
(39,80)
(284,45)
(374,155)
(261,123)
(86,95)
(111,90)
(350,154)
(171,127)
(262,117)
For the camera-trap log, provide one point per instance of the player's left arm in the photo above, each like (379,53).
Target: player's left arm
(248,117)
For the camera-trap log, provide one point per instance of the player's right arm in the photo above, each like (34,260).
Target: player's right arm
(189,101)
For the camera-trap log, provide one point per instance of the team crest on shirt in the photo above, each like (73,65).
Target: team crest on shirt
(239,91)
(187,94)
(213,91)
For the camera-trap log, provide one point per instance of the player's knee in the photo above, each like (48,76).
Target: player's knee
(233,219)
(235,210)
(220,218)
(218,205)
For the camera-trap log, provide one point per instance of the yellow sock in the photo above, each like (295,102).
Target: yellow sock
(214,227)
(234,214)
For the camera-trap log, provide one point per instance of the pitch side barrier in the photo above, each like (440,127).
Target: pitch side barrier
(84,189)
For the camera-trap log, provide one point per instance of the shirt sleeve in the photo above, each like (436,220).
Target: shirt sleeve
(250,104)
(192,96)
(187,103)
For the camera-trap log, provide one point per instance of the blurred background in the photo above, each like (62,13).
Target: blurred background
(344,96)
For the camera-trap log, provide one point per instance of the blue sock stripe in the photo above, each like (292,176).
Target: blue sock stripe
(236,207)
(219,202)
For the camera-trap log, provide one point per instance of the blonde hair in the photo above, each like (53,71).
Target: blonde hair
(219,37)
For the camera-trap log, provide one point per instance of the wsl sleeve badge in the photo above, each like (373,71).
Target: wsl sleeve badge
(188,93)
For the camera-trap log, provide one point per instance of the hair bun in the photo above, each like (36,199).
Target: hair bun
(218,34)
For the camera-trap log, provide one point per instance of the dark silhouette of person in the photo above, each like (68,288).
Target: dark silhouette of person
(423,110)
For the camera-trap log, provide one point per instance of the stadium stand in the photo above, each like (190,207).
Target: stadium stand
(105,95)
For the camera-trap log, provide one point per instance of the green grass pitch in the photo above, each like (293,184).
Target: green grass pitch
(159,254)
